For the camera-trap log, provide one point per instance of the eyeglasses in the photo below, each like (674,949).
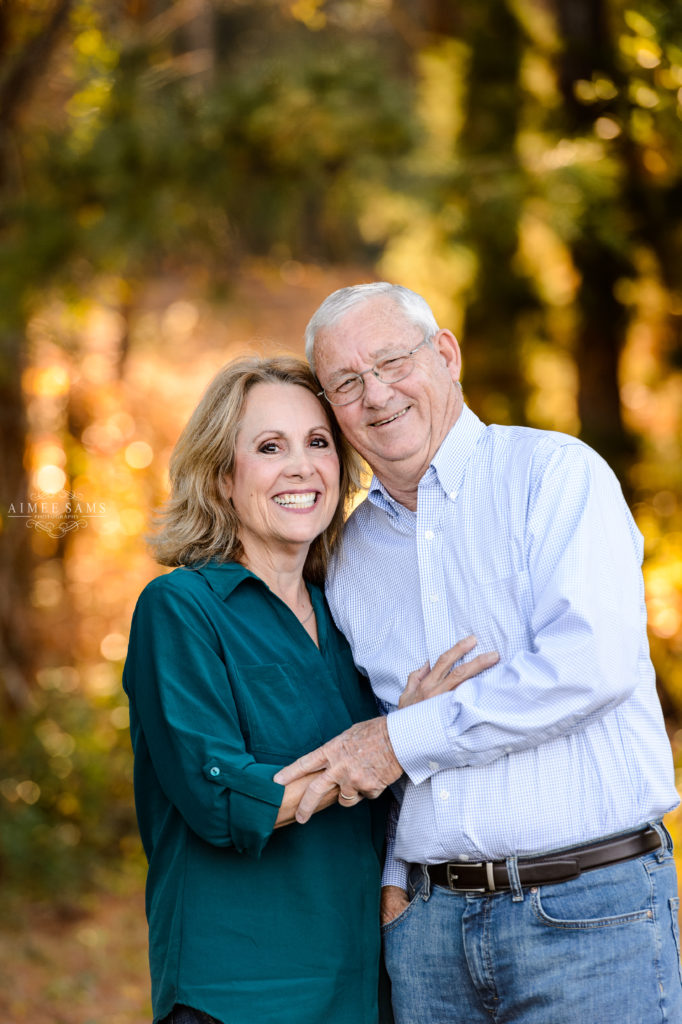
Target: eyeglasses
(343,390)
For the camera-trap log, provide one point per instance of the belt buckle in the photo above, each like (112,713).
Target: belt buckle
(452,877)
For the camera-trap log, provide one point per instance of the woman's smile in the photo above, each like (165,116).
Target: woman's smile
(297,501)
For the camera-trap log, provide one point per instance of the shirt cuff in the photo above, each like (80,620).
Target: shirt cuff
(395,871)
(419,737)
(254,802)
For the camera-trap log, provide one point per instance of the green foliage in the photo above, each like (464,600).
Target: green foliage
(150,171)
(65,789)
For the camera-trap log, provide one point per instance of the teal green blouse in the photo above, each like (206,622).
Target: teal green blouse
(248,924)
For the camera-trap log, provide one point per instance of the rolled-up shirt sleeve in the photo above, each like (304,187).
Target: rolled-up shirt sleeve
(185,720)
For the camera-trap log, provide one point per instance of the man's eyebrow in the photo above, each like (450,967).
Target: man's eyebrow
(374,356)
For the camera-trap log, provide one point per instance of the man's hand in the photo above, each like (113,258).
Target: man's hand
(428,682)
(393,901)
(360,761)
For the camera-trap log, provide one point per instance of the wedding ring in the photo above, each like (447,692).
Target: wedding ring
(344,797)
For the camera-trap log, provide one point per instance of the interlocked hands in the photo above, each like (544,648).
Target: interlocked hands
(361,761)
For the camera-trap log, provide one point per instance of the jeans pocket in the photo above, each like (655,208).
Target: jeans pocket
(607,898)
(390,925)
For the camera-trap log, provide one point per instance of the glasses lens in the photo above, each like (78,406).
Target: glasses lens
(394,368)
(344,392)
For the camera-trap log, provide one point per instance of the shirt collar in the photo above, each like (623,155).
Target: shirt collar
(447,465)
(224,577)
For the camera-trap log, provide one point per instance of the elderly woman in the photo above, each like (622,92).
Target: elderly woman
(235,668)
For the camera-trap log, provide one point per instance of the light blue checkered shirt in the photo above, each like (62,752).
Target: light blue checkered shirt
(523,538)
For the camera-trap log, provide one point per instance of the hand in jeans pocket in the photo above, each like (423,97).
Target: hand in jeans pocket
(393,901)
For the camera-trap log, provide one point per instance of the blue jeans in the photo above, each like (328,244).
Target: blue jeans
(600,949)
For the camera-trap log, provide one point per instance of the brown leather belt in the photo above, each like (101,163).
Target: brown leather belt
(492,876)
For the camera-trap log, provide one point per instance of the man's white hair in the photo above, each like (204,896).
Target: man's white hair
(417,311)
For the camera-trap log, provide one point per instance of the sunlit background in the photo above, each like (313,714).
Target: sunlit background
(184,182)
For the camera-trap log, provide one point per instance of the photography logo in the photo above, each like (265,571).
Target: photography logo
(56,514)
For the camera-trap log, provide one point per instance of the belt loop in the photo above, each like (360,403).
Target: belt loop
(419,881)
(514,880)
(664,836)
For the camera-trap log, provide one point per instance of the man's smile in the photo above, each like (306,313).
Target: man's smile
(390,419)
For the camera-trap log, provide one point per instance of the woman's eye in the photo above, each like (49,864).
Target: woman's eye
(319,442)
(269,448)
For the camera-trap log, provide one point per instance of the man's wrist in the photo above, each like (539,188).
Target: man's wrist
(407,729)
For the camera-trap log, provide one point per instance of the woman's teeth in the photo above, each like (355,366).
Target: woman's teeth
(298,500)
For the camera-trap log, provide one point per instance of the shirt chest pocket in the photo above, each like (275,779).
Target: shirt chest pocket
(499,603)
(277,713)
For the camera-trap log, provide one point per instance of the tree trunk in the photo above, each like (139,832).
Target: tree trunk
(492,188)
(588,49)
(17,636)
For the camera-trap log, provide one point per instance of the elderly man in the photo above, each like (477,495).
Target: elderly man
(528,876)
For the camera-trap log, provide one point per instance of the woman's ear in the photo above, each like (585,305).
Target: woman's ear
(225,486)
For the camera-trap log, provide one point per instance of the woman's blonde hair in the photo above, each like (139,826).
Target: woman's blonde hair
(198,523)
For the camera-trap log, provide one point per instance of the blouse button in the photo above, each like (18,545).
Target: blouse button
(215,771)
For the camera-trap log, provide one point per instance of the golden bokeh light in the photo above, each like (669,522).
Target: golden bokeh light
(50,479)
(139,455)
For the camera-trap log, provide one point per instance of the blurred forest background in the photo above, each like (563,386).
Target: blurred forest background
(182,182)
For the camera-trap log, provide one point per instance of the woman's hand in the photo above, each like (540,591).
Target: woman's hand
(293,791)
(428,682)
(393,901)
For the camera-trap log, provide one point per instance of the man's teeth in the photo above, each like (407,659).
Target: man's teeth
(381,423)
(299,500)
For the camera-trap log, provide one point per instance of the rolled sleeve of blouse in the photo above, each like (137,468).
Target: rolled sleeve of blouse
(184,718)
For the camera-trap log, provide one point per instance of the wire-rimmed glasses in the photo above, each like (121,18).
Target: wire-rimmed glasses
(348,387)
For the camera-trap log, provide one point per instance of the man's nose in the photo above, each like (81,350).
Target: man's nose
(376,391)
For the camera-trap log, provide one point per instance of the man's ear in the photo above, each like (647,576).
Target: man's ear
(446,345)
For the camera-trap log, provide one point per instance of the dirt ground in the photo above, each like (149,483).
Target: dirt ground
(62,964)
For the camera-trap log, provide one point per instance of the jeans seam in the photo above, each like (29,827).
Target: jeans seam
(489,960)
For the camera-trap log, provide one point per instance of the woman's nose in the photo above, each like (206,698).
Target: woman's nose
(300,463)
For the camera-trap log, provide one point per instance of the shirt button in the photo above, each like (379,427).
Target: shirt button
(434,766)
(428,534)
(509,750)
(463,856)
(434,598)
(215,771)
(452,495)
(444,794)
